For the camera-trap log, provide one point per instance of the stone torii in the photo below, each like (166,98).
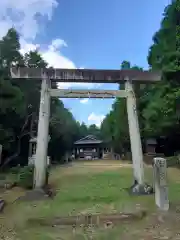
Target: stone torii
(49,77)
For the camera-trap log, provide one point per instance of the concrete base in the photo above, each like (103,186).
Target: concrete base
(38,194)
(141,189)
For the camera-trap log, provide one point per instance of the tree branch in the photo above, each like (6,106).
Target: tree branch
(22,134)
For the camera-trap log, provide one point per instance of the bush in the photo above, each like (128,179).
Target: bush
(25,177)
(15,170)
(47,175)
(173,161)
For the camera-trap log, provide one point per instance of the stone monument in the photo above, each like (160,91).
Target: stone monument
(160,183)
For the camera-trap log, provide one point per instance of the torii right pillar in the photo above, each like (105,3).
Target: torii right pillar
(139,187)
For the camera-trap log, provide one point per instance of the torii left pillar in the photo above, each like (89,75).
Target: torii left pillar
(42,137)
(139,187)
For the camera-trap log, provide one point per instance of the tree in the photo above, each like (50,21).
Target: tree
(19,110)
(115,128)
(159,104)
(11,97)
(161,112)
(83,130)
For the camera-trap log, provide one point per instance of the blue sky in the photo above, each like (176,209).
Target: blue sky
(88,34)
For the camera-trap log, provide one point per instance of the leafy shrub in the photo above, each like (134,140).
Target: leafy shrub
(173,161)
(2,176)
(15,170)
(25,177)
(47,175)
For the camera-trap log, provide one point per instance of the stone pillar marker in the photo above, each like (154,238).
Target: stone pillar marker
(160,183)
(135,139)
(43,133)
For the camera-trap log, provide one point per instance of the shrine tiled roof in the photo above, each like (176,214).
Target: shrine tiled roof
(90,139)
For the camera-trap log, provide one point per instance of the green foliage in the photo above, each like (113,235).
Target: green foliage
(173,161)
(158,105)
(19,110)
(25,177)
(161,113)
(15,170)
(164,53)
(115,126)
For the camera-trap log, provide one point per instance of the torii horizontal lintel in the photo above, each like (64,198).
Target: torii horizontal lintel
(86,75)
(65,93)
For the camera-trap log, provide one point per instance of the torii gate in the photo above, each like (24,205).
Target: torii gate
(49,76)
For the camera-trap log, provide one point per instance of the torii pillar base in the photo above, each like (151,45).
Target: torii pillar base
(140,189)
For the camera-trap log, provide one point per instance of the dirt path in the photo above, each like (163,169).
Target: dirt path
(84,167)
(103,164)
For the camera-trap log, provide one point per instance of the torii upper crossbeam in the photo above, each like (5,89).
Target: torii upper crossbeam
(86,75)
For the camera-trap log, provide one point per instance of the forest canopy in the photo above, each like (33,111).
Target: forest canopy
(158,105)
(19,110)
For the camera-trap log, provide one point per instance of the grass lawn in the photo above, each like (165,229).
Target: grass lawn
(90,188)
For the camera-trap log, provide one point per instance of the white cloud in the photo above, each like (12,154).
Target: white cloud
(4,26)
(84,101)
(53,56)
(57,44)
(24,15)
(26,47)
(95,119)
